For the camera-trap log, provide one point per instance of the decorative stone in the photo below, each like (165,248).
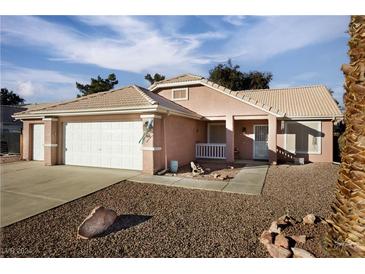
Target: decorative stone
(98,221)
(301,239)
(266,237)
(283,220)
(274,228)
(309,219)
(281,240)
(215,176)
(278,251)
(301,253)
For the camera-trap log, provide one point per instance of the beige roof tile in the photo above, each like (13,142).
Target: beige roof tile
(297,101)
(291,102)
(179,79)
(127,97)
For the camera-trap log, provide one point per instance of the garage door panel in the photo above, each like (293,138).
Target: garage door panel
(104,144)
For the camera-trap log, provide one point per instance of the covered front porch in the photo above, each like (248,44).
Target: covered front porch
(233,138)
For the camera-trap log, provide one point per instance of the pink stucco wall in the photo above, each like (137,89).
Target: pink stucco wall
(244,141)
(181,136)
(326,145)
(209,102)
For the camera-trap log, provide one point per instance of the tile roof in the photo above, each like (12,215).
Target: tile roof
(309,101)
(126,97)
(179,79)
(304,101)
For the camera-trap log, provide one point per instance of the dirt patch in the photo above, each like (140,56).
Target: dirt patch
(160,221)
(211,170)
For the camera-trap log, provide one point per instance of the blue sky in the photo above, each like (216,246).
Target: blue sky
(43,57)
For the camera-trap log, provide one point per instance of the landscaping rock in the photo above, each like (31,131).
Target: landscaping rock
(301,239)
(278,251)
(281,240)
(274,228)
(98,221)
(309,219)
(216,176)
(266,237)
(301,253)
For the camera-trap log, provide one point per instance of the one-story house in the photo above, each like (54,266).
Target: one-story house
(182,118)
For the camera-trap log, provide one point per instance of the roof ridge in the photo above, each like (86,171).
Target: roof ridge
(296,87)
(144,94)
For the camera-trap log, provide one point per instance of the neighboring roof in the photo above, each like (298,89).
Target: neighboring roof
(6,111)
(126,98)
(307,101)
(291,102)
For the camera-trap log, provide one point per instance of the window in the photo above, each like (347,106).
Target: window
(303,137)
(180,94)
(217,133)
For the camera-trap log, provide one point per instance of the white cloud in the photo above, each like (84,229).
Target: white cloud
(136,46)
(37,85)
(25,88)
(271,36)
(236,20)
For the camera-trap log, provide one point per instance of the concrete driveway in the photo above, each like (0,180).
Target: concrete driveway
(29,188)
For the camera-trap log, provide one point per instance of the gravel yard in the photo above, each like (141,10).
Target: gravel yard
(159,221)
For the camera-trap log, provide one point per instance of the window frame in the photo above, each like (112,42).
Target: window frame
(180,99)
(209,131)
(299,151)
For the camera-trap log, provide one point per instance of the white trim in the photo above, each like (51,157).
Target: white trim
(180,99)
(253,141)
(303,152)
(51,145)
(146,116)
(250,117)
(208,128)
(175,84)
(152,148)
(50,119)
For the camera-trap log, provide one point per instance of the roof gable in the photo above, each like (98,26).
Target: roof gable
(293,102)
(130,97)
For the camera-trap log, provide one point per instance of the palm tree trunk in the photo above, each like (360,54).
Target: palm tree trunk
(346,236)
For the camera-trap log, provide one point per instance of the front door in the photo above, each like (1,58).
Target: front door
(260,147)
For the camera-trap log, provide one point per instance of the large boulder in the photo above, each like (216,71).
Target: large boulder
(98,221)
(278,251)
(301,253)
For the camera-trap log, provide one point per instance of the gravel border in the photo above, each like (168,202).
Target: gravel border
(160,221)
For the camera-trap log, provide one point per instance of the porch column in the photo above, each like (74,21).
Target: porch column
(272,142)
(151,145)
(27,139)
(229,139)
(50,141)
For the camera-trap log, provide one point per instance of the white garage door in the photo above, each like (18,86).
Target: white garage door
(38,142)
(104,144)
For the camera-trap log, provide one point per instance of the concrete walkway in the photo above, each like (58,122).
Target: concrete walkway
(250,180)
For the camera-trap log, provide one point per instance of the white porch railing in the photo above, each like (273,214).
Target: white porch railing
(210,151)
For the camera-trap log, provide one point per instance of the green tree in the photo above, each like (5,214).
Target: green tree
(97,85)
(231,77)
(156,78)
(10,98)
